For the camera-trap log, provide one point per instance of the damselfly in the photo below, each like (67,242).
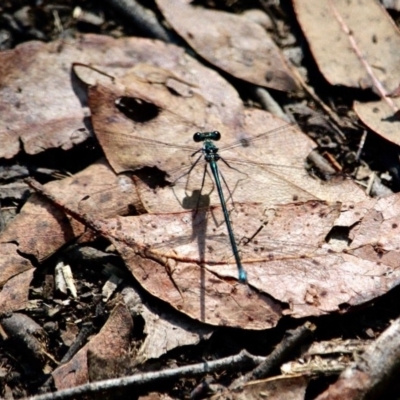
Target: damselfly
(258,169)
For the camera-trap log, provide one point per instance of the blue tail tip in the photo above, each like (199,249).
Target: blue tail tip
(242,276)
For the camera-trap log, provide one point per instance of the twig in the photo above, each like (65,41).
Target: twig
(277,357)
(361,145)
(369,376)
(143,17)
(321,163)
(269,103)
(370,183)
(233,362)
(80,340)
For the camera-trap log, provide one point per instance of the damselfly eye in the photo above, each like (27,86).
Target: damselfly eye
(198,137)
(216,135)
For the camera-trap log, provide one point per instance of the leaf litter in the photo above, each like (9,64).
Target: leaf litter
(366,61)
(231,42)
(202,283)
(187,274)
(60,120)
(378,248)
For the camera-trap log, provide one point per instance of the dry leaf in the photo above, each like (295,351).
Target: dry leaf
(324,24)
(231,42)
(295,264)
(40,229)
(348,55)
(129,115)
(96,190)
(288,260)
(38,104)
(42,109)
(164,331)
(14,294)
(380,117)
(12,263)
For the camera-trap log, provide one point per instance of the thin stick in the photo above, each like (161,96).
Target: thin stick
(233,362)
(292,340)
(142,17)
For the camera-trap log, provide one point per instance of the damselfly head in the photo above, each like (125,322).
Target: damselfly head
(202,136)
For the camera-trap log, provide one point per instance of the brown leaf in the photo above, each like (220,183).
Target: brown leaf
(231,42)
(170,267)
(266,168)
(11,262)
(152,107)
(380,117)
(38,104)
(37,229)
(343,51)
(310,276)
(164,331)
(41,108)
(142,103)
(14,294)
(40,229)
(346,55)
(16,273)
(294,261)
